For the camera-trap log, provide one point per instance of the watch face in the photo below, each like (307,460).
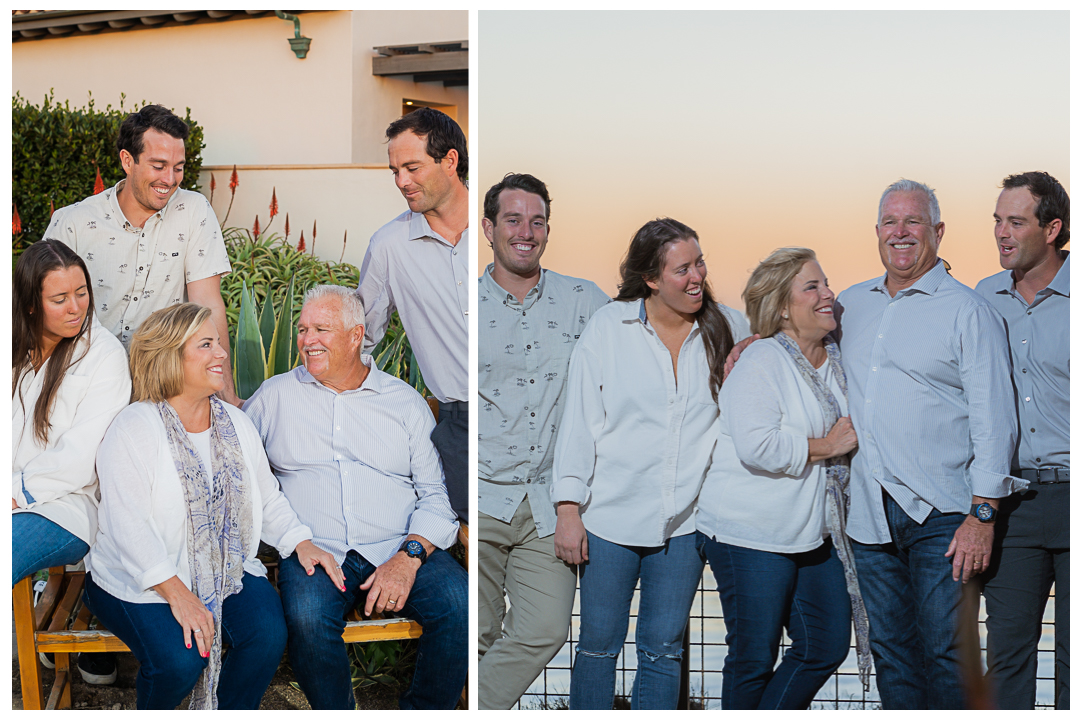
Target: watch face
(984,511)
(414,548)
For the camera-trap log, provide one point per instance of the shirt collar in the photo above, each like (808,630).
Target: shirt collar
(1060,283)
(419,228)
(928,284)
(498,291)
(113,194)
(376,380)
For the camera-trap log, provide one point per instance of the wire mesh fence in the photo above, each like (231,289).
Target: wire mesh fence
(843,691)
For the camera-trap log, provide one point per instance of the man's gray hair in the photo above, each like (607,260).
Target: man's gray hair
(904,185)
(352,307)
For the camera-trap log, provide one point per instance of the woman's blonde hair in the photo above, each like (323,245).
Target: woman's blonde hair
(769,289)
(157,351)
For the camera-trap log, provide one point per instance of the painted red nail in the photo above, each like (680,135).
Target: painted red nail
(189,646)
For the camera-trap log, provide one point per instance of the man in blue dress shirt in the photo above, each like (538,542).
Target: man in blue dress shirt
(418,264)
(929,393)
(351,448)
(1031,227)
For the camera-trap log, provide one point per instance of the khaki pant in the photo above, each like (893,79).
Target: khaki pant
(517,643)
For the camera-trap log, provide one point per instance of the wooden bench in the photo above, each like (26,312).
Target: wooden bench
(44,628)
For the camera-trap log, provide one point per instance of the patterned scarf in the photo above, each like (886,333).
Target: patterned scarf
(220,531)
(837,500)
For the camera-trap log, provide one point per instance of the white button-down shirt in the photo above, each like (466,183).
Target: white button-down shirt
(134,270)
(58,480)
(414,270)
(633,446)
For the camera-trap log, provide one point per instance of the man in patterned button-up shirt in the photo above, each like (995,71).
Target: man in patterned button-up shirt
(530,319)
(148,243)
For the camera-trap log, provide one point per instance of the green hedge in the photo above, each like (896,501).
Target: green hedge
(56,151)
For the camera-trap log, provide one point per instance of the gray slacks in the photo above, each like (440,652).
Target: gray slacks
(1031,554)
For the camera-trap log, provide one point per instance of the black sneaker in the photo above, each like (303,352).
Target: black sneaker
(98,668)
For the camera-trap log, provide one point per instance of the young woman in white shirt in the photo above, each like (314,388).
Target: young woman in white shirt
(636,434)
(186,495)
(772,510)
(69,378)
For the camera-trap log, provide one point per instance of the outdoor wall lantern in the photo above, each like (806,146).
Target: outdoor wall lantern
(298,42)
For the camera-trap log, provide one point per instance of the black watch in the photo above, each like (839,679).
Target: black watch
(983,512)
(415,549)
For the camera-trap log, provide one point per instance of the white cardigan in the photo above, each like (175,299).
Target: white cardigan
(144,519)
(760,492)
(57,480)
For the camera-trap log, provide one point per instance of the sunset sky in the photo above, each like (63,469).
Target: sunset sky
(767,129)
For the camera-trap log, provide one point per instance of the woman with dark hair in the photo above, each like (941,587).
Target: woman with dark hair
(635,439)
(773,508)
(69,378)
(186,495)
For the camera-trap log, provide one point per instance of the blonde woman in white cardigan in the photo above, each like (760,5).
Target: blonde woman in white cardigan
(186,495)
(773,506)
(69,378)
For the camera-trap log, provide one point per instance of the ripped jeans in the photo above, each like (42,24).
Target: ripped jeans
(669,577)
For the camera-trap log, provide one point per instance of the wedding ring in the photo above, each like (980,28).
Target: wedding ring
(197,630)
(391,602)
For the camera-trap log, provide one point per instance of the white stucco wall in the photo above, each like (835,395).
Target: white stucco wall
(257,102)
(377,100)
(357,200)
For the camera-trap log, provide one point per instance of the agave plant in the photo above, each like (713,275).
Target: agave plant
(265,343)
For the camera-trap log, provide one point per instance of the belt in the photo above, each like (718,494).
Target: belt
(454,409)
(1044,476)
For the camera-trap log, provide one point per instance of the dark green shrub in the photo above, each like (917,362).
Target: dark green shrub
(56,151)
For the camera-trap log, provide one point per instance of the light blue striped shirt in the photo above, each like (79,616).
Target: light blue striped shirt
(1039,342)
(358,467)
(930,397)
(412,269)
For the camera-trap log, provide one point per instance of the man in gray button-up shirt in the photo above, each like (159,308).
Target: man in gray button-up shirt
(530,320)
(928,389)
(1031,226)
(418,264)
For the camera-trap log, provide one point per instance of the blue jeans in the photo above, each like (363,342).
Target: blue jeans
(315,612)
(763,593)
(253,638)
(669,577)
(914,609)
(37,543)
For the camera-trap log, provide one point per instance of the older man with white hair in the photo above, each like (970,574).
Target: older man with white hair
(351,447)
(929,392)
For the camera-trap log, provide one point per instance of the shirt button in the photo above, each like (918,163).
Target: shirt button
(528,347)
(337,427)
(874,369)
(881,336)
(459,282)
(532,447)
(522,313)
(867,401)
(532,414)
(1024,370)
(1038,459)
(337,457)
(136,299)
(531,381)
(126,327)
(1023,342)
(1027,399)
